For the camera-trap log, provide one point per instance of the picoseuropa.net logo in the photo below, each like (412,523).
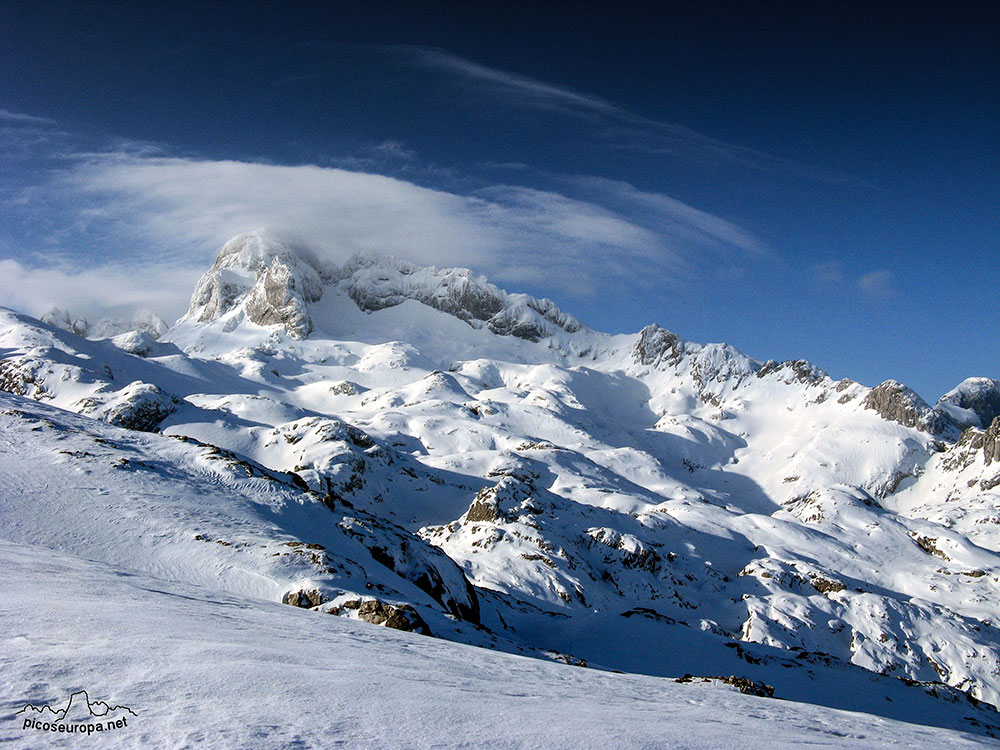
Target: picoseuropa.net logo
(80,715)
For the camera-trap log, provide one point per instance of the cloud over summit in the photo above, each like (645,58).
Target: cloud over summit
(157,213)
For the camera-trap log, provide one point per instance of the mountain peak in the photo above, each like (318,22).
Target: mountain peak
(975,402)
(898,403)
(145,321)
(257,277)
(376,282)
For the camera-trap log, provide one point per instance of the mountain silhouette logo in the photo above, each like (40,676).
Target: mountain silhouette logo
(77,716)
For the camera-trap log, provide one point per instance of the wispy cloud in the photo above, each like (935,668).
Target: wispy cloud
(6,114)
(834,275)
(877,284)
(616,126)
(528,90)
(161,213)
(383,157)
(668,217)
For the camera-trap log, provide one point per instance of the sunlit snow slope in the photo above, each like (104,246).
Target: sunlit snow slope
(417,448)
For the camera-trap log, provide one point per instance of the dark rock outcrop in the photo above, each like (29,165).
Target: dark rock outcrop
(424,565)
(895,402)
(793,371)
(498,503)
(991,442)
(24,376)
(396,616)
(657,346)
(305,598)
(981,396)
(137,406)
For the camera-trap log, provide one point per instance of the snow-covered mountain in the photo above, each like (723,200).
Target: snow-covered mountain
(144,321)
(417,448)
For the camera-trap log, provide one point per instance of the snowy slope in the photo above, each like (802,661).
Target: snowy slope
(172,516)
(518,480)
(199,668)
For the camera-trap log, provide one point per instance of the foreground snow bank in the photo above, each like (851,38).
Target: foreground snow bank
(205,669)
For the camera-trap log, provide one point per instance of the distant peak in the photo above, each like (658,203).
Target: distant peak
(145,321)
(376,282)
(59,318)
(971,400)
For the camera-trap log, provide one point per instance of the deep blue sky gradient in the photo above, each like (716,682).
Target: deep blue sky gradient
(848,138)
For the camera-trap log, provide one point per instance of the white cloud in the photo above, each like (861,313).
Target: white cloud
(153,215)
(95,291)
(877,284)
(529,90)
(681,224)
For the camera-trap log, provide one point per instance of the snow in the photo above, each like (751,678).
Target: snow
(639,502)
(208,669)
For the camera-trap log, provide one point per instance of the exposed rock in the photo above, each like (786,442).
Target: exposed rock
(793,371)
(657,346)
(628,550)
(743,684)
(344,388)
(651,614)
(137,406)
(573,661)
(395,616)
(719,365)
(972,441)
(268,282)
(424,565)
(974,402)
(375,283)
(533,445)
(305,598)
(826,585)
(991,442)
(895,402)
(23,376)
(483,508)
(498,503)
(929,545)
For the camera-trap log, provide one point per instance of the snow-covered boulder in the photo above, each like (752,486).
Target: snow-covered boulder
(137,406)
(138,343)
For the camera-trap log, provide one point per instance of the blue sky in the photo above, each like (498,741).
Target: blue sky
(801,180)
